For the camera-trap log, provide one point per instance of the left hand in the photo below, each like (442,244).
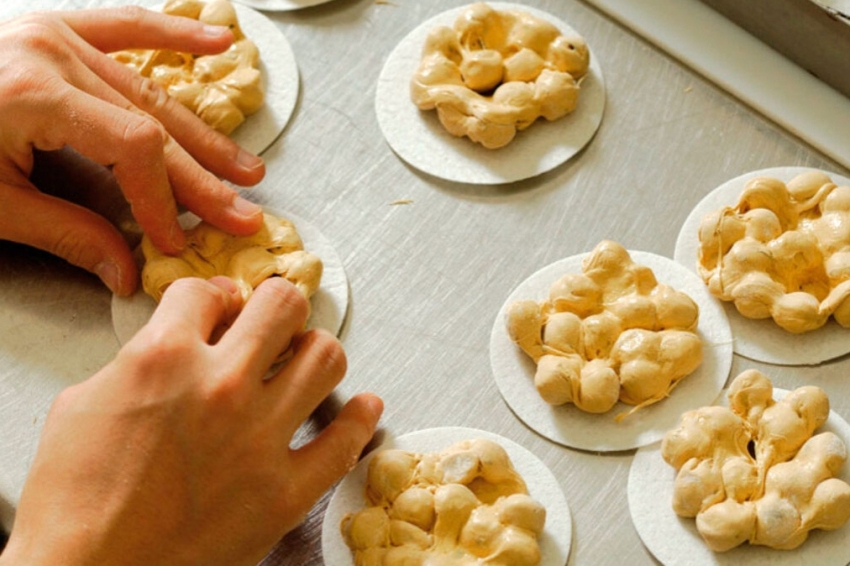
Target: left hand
(59,89)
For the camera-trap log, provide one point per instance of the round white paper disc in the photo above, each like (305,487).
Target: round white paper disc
(419,139)
(762,340)
(280,5)
(674,540)
(542,486)
(566,424)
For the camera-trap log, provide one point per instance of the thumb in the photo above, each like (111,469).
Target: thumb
(67,230)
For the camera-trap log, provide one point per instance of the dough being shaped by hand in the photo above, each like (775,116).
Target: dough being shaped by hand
(275,250)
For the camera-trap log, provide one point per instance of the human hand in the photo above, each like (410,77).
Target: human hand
(178,452)
(58,89)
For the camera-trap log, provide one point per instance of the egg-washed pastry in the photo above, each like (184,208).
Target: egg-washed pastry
(465,505)
(754,472)
(496,72)
(782,252)
(221,89)
(275,250)
(611,333)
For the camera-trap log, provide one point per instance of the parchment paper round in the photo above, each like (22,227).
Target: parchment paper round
(674,540)
(280,5)
(566,424)
(763,340)
(542,486)
(328,304)
(419,139)
(280,80)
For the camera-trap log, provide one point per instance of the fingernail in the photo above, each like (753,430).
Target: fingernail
(246,208)
(215,31)
(248,160)
(110,274)
(177,237)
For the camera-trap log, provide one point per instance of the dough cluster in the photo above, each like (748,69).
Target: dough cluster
(497,72)
(782,252)
(463,506)
(609,333)
(221,89)
(754,472)
(275,250)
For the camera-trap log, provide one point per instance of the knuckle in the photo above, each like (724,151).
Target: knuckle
(155,344)
(130,15)
(70,246)
(38,32)
(39,43)
(286,296)
(150,96)
(145,132)
(327,350)
(191,286)
(197,287)
(226,394)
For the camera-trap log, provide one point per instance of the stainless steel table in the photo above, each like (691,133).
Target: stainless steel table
(428,278)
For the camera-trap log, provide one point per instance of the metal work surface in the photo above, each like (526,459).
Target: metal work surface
(428,277)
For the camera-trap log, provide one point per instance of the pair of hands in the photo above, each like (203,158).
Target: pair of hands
(178,451)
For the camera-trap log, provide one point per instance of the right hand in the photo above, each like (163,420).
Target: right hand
(178,452)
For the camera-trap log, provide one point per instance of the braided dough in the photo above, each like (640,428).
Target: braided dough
(610,333)
(754,472)
(497,72)
(221,89)
(783,252)
(275,250)
(463,505)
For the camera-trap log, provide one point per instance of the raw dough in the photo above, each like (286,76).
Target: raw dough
(610,333)
(782,252)
(496,72)
(221,89)
(754,472)
(275,250)
(464,505)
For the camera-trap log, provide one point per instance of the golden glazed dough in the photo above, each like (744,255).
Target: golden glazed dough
(221,89)
(497,72)
(465,505)
(754,472)
(782,252)
(609,333)
(275,250)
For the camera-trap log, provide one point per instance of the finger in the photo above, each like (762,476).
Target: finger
(315,369)
(69,231)
(195,187)
(197,307)
(335,451)
(275,312)
(130,142)
(133,27)
(201,192)
(213,150)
